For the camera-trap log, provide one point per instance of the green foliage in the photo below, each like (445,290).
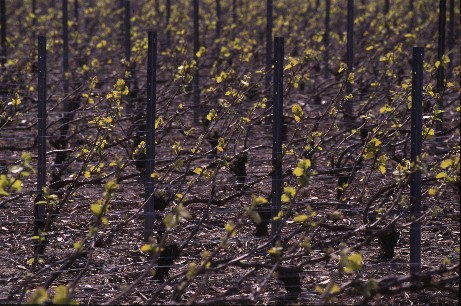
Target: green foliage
(61,296)
(39,297)
(372,148)
(297,112)
(256,200)
(173,219)
(276,250)
(191,270)
(329,291)
(302,172)
(234,102)
(230,228)
(352,263)
(288,194)
(12,181)
(366,288)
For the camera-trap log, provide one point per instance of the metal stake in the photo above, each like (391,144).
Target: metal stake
(416,143)
(150,133)
(277,123)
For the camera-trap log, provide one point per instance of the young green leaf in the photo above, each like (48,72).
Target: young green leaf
(300,218)
(146,248)
(61,296)
(40,296)
(353,263)
(96,209)
(297,112)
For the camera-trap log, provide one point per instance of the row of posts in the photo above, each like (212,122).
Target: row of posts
(277,102)
(277,122)
(126,5)
(348,106)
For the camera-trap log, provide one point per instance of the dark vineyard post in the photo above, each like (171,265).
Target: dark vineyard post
(234,11)
(127,30)
(168,17)
(3,32)
(127,43)
(39,209)
(218,19)
(451,35)
(441,69)
(277,122)
(326,38)
(34,18)
(451,26)
(269,26)
(76,11)
(196,81)
(349,58)
(411,11)
(416,143)
(386,7)
(65,46)
(69,105)
(150,134)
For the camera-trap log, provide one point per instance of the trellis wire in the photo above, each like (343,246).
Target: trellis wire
(416,144)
